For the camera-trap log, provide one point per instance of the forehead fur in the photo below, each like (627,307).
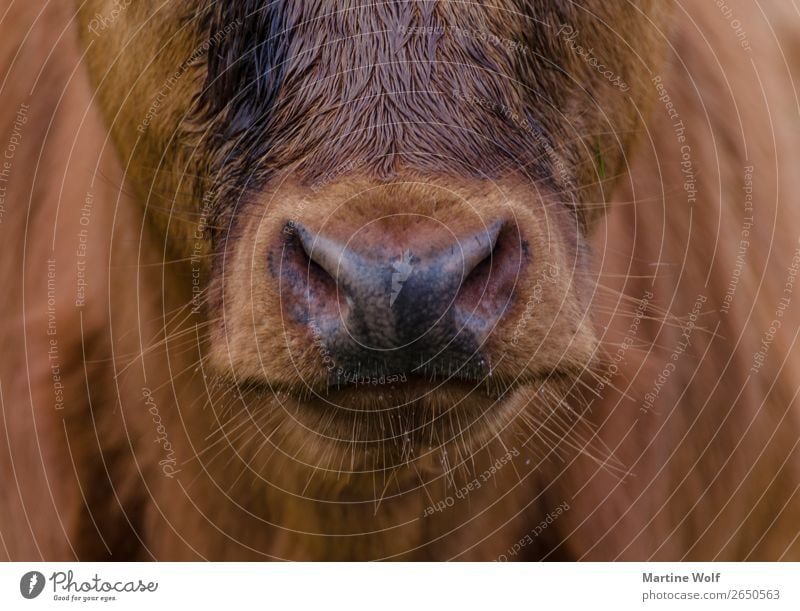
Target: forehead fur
(433,86)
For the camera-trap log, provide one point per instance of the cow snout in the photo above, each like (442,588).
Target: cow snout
(410,296)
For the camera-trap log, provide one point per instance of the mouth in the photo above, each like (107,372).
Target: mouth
(428,371)
(393,414)
(358,391)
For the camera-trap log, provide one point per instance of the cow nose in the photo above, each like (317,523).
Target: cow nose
(425,298)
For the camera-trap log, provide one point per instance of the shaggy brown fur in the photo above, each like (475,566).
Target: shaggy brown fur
(629,408)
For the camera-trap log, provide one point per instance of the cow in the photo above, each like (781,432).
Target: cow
(405,280)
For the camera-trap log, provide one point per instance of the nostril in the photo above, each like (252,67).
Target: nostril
(323,251)
(487,290)
(467,254)
(307,285)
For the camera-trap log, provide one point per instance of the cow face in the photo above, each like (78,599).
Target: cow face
(386,204)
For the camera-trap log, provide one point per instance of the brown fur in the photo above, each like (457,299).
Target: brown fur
(710,472)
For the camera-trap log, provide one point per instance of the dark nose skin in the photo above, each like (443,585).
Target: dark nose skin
(423,302)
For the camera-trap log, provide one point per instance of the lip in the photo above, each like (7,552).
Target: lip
(390,418)
(414,392)
(470,369)
(416,403)
(412,385)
